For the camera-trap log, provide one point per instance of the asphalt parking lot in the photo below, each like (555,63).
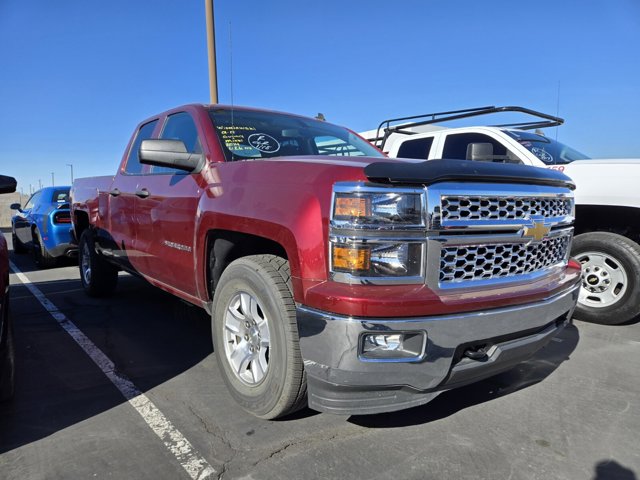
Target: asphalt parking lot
(571,412)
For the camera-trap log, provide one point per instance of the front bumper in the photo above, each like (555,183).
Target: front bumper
(340,382)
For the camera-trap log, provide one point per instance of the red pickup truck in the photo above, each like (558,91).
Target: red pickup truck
(335,276)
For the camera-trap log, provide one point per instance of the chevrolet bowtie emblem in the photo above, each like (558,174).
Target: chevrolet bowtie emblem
(537,231)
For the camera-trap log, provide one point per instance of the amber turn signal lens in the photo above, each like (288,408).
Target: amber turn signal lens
(350,258)
(352,207)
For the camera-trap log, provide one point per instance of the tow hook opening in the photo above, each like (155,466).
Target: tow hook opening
(477,352)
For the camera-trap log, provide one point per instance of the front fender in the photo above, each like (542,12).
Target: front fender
(295,225)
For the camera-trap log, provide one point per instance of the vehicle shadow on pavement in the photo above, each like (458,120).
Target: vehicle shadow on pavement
(528,373)
(150,336)
(610,469)
(27,262)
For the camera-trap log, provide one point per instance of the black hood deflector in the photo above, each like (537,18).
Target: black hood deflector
(435,171)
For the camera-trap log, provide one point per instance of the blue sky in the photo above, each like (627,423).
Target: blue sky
(77,76)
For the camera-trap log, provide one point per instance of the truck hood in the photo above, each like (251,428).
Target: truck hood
(611,182)
(607,161)
(420,172)
(435,171)
(339,160)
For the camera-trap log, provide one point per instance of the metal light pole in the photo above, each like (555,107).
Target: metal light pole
(53,182)
(39,184)
(211,48)
(71,166)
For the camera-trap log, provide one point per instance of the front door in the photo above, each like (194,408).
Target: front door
(166,215)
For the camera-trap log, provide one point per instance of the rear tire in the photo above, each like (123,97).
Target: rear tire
(99,278)
(18,246)
(610,292)
(41,255)
(255,336)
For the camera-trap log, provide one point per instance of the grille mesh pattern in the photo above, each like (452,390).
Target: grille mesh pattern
(455,207)
(484,262)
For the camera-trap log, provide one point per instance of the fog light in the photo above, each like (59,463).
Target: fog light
(374,343)
(396,346)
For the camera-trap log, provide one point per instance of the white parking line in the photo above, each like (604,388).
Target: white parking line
(194,464)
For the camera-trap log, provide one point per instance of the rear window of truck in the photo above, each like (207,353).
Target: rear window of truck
(248,134)
(418,148)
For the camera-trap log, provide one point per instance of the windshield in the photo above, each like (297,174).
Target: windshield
(248,134)
(546,149)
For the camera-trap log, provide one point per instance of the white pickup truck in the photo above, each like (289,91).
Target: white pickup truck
(607,196)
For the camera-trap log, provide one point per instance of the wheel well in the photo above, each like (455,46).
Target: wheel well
(80,223)
(223,247)
(621,220)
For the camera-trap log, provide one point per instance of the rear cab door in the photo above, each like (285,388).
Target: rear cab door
(123,228)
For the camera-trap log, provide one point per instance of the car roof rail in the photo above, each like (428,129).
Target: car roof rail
(542,120)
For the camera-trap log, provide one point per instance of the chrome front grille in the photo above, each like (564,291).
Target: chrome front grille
(463,263)
(476,207)
(484,235)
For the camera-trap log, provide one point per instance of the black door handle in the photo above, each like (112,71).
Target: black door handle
(115,192)
(144,193)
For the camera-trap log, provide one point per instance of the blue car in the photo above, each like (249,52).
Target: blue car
(43,226)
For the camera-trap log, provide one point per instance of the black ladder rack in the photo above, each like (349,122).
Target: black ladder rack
(544,121)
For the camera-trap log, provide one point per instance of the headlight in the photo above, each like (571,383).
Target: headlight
(378,209)
(377,234)
(383,259)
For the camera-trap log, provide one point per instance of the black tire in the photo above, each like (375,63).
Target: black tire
(623,258)
(99,277)
(41,255)
(7,375)
(18,246)
(283,388)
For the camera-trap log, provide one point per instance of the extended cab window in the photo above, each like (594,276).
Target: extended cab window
(179,126)
(133,162)
(418,148)
(461,146)
(248,134)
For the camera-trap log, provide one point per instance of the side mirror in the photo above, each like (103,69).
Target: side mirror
(7,184)
(169,153)
(480,152)
(16,206)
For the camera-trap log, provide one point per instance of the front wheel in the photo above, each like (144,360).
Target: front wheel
(610,292)
(99,278)
(255,336)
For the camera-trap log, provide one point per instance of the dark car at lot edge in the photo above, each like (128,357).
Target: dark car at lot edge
(7,353)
